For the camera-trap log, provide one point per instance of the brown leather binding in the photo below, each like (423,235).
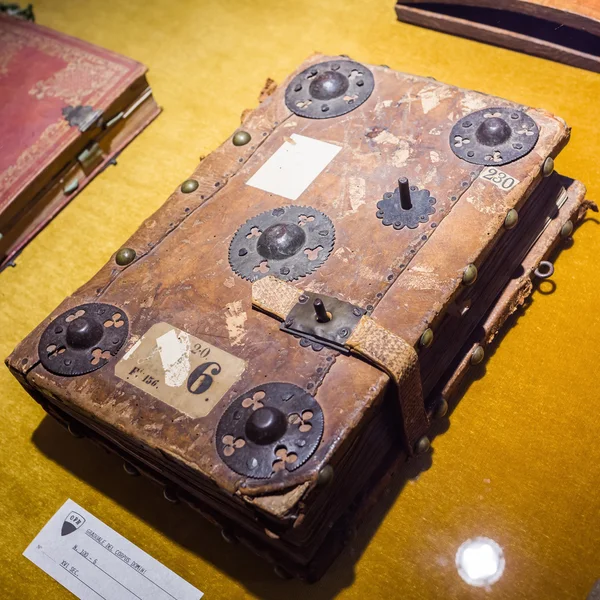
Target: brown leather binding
(371,341)
(408,280)
(520,287)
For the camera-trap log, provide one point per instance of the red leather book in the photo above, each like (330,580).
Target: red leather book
(67,109)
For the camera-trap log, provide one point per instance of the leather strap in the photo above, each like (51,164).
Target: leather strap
(379,346)
(399,360)
(274,296)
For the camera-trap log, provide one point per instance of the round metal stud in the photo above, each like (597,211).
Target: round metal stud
(280,241)
(329,89)
(288,242)
(170,495)
(493,131)
(423,445)
(325,476)
(567,229)
(241,138)
(265,425)
(426,338)
(130,469)
(75,430)
(469,274)
(477,355)
(84,332)
(494,136)
(189,186)
(125,256)
(229,536)
(512,218)
(328,85)
(548,167)
(273,427)
(83,339)
(440,408)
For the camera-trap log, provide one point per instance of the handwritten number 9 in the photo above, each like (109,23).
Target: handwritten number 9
(199,380)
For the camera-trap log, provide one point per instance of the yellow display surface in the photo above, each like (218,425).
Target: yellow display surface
(520,462)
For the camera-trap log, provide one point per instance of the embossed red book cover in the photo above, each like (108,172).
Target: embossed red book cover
(46,155)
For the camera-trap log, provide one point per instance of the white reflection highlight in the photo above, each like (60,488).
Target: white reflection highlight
(480,561)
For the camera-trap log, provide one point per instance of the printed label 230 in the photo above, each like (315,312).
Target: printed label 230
(499,178)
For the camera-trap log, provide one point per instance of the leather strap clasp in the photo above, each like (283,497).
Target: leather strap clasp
(363,337)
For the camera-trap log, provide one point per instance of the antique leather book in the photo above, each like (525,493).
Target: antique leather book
(68,109)
(562,30)
(283,334)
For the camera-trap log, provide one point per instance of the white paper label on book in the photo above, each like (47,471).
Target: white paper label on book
(94,562)
(499,178)
(294,166)
(180,369)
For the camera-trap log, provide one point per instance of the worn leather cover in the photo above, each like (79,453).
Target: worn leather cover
(570,195)
(43,73)
(408,280)
(563,30)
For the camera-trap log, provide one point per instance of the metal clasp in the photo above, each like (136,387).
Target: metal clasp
(91,157)
(324,320)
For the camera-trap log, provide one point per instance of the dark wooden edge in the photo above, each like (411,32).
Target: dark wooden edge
(562,16)
(497,37)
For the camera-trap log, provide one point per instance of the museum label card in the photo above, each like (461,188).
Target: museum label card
(96,563)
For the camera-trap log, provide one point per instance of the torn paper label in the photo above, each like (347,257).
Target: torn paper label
(180,369)
(294,166)
(174,351)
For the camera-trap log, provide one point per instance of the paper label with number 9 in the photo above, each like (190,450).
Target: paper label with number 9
(499,178)
(180,369)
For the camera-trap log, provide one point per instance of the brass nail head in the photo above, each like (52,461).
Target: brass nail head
(477,355)
(189,186)
(512,218)
(125,256)
(567,229)
(470,274)
(241,138)
(426,338)
(325,476)
(423,445)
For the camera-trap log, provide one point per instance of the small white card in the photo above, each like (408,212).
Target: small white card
(294,166)
(96,563)
(499,178)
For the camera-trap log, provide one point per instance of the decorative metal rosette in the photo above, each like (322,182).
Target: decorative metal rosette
(288,242)
(494,136)
(407,206)
(272,427)
(83,339)
(329,89)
